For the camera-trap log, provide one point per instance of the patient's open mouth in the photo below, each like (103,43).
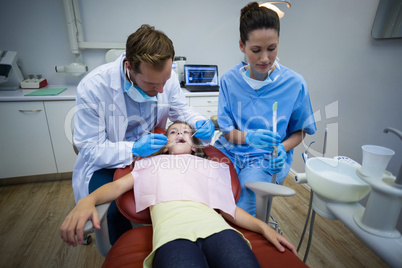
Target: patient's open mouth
(181,140)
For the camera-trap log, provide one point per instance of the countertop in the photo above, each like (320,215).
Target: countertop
(70,93)
(19,95)
(200,94)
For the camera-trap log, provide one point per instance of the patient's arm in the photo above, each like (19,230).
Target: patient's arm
(246,221)
(85,209)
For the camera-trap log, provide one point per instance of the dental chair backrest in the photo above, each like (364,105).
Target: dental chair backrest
(125,202)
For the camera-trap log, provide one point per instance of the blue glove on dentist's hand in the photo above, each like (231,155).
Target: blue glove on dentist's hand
(275,165)
(149,144)
(263,139)
(205,129)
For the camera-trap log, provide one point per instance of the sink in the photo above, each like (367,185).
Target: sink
(335,180)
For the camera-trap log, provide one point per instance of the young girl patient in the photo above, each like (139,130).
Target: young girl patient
(187,230)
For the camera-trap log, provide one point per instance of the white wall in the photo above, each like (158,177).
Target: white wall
(330,44)
(205,32)
(355,82)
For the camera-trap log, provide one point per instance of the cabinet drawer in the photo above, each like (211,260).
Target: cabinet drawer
(203,101)
(207,111)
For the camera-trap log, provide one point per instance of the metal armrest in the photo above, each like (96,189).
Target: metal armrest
(102,235)
(264,191)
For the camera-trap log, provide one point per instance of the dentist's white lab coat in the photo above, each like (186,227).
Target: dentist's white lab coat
(100,121)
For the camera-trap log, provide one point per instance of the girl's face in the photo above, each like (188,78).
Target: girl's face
(179,139)
(261,49)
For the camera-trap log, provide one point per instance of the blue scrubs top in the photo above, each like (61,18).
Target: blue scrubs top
(243,108)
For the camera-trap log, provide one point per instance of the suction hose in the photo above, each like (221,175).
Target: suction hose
(399,134)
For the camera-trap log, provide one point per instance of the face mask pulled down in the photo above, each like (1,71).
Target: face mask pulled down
(135,92)
(256,84)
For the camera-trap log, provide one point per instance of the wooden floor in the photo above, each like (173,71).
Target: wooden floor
(32,213)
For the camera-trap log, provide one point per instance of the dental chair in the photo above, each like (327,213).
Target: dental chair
(134,246)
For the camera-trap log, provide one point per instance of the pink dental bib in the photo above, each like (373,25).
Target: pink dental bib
(183,177)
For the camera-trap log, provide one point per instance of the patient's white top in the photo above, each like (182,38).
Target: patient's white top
(165,178)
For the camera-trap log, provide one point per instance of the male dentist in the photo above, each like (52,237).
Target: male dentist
(118,105)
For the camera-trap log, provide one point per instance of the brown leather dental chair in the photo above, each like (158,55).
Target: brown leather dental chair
(135,245)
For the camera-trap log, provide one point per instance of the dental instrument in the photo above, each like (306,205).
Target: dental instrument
(206,121)
(149,132)
(305,154)
(274,129)
(274,117)
(274,154)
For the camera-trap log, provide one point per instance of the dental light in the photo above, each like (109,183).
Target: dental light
(269,4)
(75,69)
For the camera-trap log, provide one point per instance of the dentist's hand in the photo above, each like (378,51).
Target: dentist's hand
(205,129)
(149,144)
(263,139)
(275,165)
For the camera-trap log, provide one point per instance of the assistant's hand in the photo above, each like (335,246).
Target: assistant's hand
(263,139)
(205,129)
(75,221)
(275,165)
(149,144)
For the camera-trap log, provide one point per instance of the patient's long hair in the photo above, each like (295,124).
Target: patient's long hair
(199,151)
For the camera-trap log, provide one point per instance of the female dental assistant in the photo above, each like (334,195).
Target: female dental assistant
(247,94)
(118,104)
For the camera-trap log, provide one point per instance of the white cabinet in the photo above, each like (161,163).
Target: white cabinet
(207,106)
(36,132)
(25,145)
(60,116)
(35,138)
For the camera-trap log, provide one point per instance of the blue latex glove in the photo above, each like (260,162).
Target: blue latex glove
(275,165)
(149,144)
(205,129)
(263,139)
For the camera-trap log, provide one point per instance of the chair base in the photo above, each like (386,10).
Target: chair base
(134,246)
